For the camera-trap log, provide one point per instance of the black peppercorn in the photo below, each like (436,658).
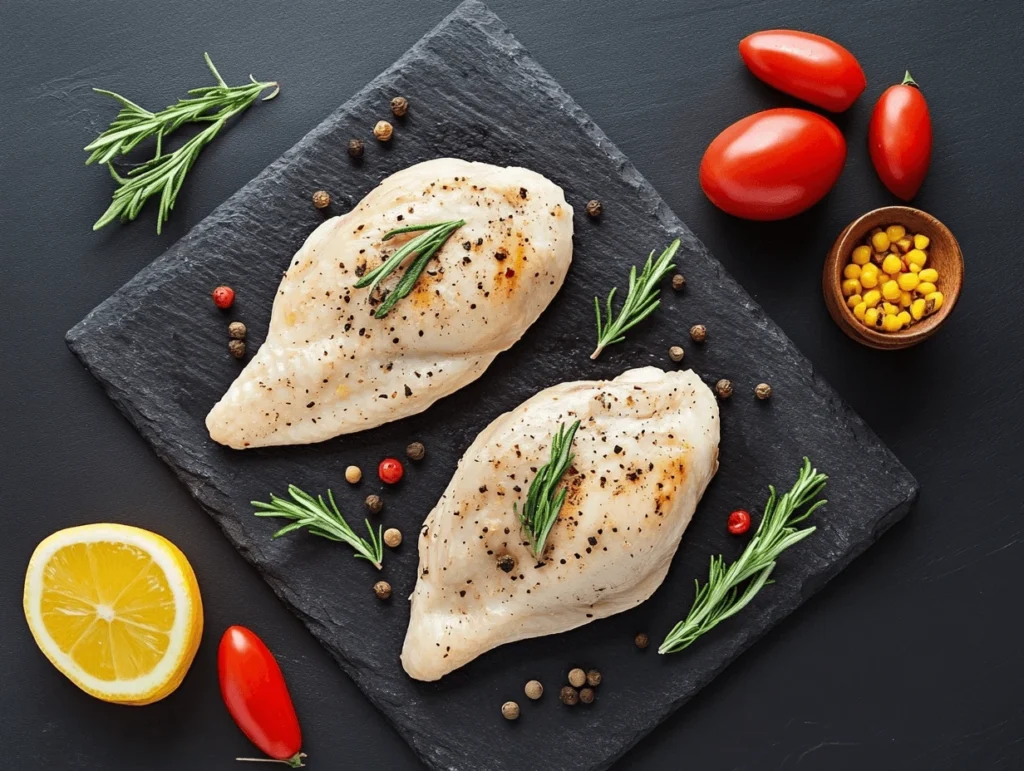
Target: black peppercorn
(321,199)
(355,148)
(237,348)
(587,695)
(699,333)
(593,678)
(678,282)
(723,388)
(236,330)
(374,504)
(399,106)
(594,208)
(382,589)
(569,696)
(507,563)
(416,451)
(641,640)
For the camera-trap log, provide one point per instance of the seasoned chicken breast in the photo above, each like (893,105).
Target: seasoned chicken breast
(328,367)
(646,448)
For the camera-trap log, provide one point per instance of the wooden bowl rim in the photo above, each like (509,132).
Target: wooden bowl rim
(832,280)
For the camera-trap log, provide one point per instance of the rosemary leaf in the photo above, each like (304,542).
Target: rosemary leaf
(641,300)
(730,589)
(542,502)
(322,520)
(164,173)
(423,247)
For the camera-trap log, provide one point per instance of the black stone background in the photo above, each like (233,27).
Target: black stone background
(911,665)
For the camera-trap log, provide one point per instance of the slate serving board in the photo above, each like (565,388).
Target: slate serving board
(159,348)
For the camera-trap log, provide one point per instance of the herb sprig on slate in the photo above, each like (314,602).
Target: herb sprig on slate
(323,520)
(165,172)
(730,589)
(542,501)
(641,300)
(424,247)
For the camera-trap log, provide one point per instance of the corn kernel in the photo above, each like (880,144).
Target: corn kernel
(861,255)
(905,245)
(913,267)
(869,278)
(917,257)
(892,264)
(872,298)
(880,241)
(895,232)
(925,288)
(932,302)
(872,317)
(851,287)
(891,324)
(906,299)
(890,290)
(908,281)
(917,309)
(929,274)
(921,242)
(889,309)
(851,271)
(860,310)
(852,300)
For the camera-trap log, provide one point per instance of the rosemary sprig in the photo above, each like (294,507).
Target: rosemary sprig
(165,173)
(641,300)
(542,502)
(322,520)
(730,589)
(424,247)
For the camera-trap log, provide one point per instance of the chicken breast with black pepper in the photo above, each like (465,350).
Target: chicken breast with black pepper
(645,450)
(329,367)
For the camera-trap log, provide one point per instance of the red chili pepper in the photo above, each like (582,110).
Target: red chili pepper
(739,522)
(256,695)
(223,296)
(900,138)
(390,471)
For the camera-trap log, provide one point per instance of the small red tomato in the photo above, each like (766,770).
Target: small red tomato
(900,138)
(223,296)
(256,695)
(773,164)
(390,471)
(809,67)
(739,522)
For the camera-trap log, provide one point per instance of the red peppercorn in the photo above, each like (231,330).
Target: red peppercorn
(390,471)
(739,522)
(223,296)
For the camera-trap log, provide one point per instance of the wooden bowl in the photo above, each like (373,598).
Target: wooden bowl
(943,254)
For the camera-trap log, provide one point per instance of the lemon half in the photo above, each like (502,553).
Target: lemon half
(116,609)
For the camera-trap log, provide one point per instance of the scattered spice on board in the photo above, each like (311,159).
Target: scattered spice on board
(399,106)
(374,504)
(763,391)
(507,563)
(223,297)
(679,282)
(510,710)
(353,474)
(237,330)
(355,148)
(587,695)
(594,208)
(577,677)
(321,199)
(569,696)
(416,451)
(382,589)
(390,471)
(593,678)
(723,388)
(236,348)
(393,537)
(676,353)
(739,522)
(383,130)
(534,690)
(698,333)
(641,640)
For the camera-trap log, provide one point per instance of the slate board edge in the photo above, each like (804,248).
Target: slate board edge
(477,14)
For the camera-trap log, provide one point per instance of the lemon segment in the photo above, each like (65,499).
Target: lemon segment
(116,609)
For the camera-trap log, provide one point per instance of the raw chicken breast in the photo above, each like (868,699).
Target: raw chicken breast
(646,448)
(328,367)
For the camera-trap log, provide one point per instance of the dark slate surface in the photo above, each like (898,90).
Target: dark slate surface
(159,348)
